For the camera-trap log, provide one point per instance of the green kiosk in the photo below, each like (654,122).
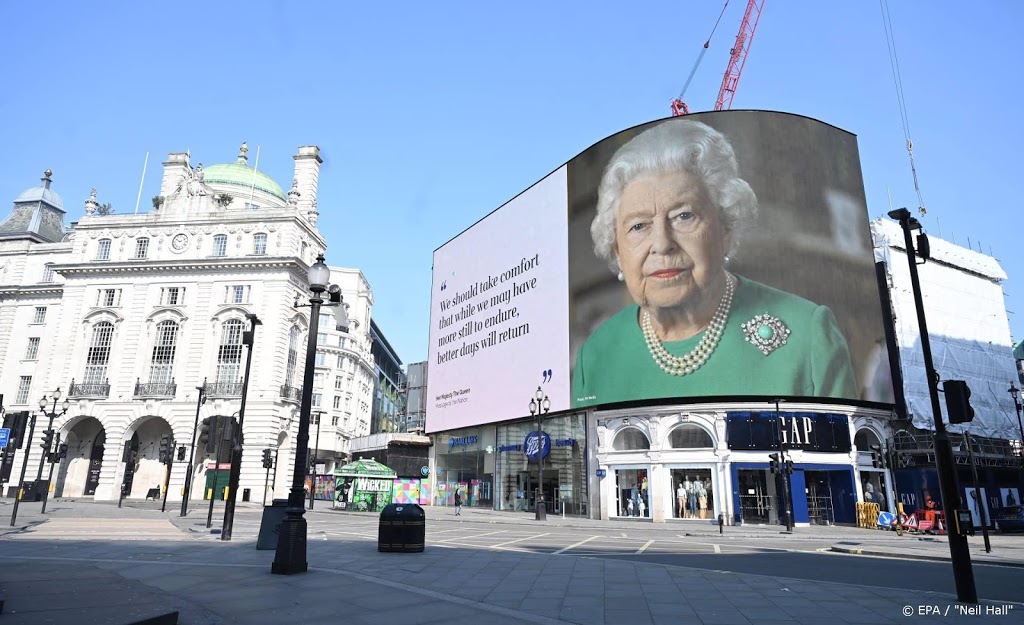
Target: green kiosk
(363,486)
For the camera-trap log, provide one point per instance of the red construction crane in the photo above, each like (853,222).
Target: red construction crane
(737,59)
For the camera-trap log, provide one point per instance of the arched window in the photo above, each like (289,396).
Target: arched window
(259,244)
(99,353)
(220,245)
(864,439)
(689,437)
(293,356)
(162,365)
(229,356)
(630,439)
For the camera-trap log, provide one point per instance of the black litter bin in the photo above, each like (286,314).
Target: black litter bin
(31,491)
(270,526)
(402,528)
(246,492)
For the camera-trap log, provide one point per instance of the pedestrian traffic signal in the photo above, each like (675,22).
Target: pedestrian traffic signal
(207,434)
(877,459)
(181,453)
(773,462)
(47,440)
(63,451)
(166,445)
(958,404)
(268,460)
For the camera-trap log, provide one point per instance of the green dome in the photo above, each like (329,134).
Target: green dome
(239,174)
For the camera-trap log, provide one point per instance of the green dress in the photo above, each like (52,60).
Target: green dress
(614,364)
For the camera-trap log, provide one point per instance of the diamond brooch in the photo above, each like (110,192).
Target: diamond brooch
(765,332)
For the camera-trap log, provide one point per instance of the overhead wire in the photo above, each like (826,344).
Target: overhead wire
(897,78)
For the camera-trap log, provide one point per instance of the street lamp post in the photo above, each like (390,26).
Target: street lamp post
(192,450)
(248,339)
(539,405)
(1015,393)
(960,554)
(290,557)
(48,436)
(787,491)
(24,465)
(316,452)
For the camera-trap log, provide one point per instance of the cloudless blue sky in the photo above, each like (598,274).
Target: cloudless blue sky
(430,115)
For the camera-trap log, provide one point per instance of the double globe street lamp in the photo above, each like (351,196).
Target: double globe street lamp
(539,405)
(290,557)
(48,438)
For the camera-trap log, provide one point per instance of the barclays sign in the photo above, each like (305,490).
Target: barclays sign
(536,446)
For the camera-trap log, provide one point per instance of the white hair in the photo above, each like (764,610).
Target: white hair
(673,145)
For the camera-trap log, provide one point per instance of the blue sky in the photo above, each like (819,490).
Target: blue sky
(430,115)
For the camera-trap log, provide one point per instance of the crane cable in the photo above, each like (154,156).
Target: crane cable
(700,56)
(894,64)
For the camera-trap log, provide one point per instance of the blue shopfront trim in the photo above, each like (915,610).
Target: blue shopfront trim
(842,502)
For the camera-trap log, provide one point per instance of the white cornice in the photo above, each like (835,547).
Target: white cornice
(215,264)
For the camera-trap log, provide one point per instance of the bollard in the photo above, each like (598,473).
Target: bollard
(721,523)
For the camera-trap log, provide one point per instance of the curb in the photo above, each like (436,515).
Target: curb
(914,556)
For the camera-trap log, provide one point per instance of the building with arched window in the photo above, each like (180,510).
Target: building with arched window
(129,315)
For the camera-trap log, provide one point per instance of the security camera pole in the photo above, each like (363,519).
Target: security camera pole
(960,554)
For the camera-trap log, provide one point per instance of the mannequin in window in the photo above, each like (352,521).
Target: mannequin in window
(702,501)
(634,499)
(681,501)
(694,490)
(644,501)
(687,487)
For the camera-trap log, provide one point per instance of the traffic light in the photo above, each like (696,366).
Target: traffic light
(207,435)
(877,459)
(789,466)
(18,423)
(268,460)
(166,455)
(181,453)
(62,452)
(958,404)
(773,462)
(47,440)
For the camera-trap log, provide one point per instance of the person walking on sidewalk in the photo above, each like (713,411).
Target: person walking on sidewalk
(458,502)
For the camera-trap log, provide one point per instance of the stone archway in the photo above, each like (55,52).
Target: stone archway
(78,474)
(142,471)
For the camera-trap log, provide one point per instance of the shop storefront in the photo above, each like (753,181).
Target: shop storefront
(464,460)
(562,445)
(694,463)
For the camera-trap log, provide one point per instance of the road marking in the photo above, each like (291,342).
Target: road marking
(518,540)
(563,550)
(646,545)
(474,536)
(718,548)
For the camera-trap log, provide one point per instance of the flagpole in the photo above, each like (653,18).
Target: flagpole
(141,182)
(252,191)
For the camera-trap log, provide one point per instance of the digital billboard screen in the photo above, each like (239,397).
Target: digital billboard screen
(721,254)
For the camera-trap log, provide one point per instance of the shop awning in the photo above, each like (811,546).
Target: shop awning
(370,468)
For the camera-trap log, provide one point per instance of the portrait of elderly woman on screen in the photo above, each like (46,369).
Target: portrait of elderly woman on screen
(670,209)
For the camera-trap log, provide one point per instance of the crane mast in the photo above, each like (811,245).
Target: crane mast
(737,59)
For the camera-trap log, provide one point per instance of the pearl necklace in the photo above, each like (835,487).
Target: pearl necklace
(689,363)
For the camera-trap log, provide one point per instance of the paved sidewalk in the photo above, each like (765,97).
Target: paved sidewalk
(93,578)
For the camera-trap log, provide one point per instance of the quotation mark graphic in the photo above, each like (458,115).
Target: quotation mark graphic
(444,285)
(546,375)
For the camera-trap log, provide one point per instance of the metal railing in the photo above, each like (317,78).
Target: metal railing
(89,389)
(223,389)
(291,393)
(155,389)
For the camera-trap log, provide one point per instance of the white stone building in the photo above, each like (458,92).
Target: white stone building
(128,314)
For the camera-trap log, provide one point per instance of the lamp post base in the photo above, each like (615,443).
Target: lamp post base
(290,557)
(542,512)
